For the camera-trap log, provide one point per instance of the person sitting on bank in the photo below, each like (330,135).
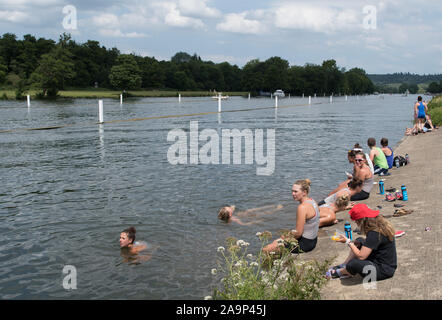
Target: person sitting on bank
(228,214)
(307,221)
(378,158)
(376,254)
(389,154)
(339,201)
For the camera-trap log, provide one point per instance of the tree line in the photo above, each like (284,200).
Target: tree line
(52,66)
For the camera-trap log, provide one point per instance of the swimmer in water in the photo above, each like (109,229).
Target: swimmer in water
(228,214)
(130,248)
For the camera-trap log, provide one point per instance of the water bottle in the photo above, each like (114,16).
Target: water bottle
(347,229)
(407,158)
(396,162)
(381,187)
(404,193)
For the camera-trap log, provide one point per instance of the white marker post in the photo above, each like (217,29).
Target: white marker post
(309,100)
(121,98)
(315,95)
(346,98)
(289,95)
(100,111)
(302,96)
(249,95)
(331,99)
(29,100)
(219,103)
(179,97)
(276,101)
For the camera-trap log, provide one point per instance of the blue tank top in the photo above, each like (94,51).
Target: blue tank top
(421,109)
(390,159)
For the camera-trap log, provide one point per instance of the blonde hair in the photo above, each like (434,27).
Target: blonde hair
(342,201)
(304,184)
(224,214)
(378,224)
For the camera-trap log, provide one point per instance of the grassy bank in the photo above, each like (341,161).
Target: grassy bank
(103,93)
(435,110)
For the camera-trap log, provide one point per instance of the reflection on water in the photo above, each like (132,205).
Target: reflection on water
(67,193)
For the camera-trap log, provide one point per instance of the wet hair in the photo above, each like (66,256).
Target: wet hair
(224,214)
(384,142)
(378,224)
(419,98)
(355,183)
(342,201)
(305,185)
(371,142)
(130,233)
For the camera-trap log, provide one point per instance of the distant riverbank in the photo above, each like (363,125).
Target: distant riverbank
(115,94)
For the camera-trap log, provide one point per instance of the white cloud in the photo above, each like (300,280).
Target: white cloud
(238,23)
(172,16)
(14,16)
(311,17)
(198,8)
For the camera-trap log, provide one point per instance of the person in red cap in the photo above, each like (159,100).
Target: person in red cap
(377,250)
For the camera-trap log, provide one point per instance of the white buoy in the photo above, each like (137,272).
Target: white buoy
(100,111)
(28,97)
(276,101)
(219,102)
(179,97)
(309,100)
(121,98)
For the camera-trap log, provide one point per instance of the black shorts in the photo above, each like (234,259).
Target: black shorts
(360,196)
(304,245)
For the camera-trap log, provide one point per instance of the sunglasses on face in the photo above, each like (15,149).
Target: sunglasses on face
(359,160)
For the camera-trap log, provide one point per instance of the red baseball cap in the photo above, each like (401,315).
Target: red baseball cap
(361,210)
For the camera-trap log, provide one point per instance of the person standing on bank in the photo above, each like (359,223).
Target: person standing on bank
(420,110)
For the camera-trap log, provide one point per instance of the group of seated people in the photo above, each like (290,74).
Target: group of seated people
(310,216)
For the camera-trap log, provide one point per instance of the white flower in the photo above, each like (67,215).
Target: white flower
(254,264)
(272,253)
(246,244)
(220,249)
(240,242)
(214,271)
(208,298)
(250,256)
(258,234)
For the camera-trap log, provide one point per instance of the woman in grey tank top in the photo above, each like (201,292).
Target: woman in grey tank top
(307,220)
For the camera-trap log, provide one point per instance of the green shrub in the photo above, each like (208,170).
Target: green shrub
(280,276)
(435,110)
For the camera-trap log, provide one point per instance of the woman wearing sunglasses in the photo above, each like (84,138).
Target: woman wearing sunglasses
(361,171)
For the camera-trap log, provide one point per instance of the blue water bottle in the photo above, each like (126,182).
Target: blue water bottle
(404,193)
(347,229)
(381,187)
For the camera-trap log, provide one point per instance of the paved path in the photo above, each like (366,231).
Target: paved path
(419,252)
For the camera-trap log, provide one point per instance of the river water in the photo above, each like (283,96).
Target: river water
(67,193)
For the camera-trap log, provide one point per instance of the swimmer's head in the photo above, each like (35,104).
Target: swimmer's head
(225,213)
(127,237)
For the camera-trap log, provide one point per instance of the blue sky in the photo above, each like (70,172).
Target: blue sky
(378,36)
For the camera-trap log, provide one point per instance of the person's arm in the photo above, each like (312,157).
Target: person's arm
(300,221)
(361,254)
(270,209)
(240,222)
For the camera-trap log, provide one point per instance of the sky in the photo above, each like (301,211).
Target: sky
(378,36)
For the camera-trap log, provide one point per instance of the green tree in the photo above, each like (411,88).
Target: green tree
(403,87)
(3,71)
(413,88)
(54,69)
(434,87)
(125,75)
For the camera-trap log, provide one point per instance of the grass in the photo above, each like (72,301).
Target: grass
(435,110)
(93,93)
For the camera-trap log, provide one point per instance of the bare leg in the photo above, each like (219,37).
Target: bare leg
(326,217)
(342,185)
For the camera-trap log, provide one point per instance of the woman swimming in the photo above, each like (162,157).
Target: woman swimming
(127,241)
(226,213)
